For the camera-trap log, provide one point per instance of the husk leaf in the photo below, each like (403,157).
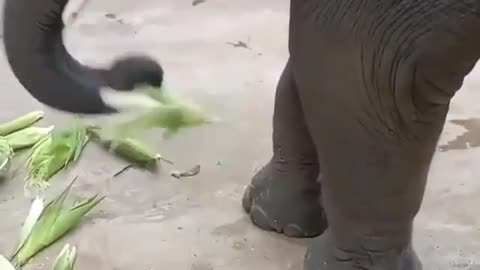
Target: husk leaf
(6,155)
(27,137)
(38,205)
(66,258)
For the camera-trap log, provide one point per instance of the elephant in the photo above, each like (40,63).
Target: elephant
(358,112)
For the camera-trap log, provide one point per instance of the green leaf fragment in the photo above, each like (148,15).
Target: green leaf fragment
(66,258)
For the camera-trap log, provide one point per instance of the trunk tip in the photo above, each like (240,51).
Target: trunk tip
(128,72)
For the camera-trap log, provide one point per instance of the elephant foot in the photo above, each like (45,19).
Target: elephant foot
(286,200)
(324,255)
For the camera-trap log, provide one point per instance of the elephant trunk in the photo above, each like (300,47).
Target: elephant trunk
(33,40)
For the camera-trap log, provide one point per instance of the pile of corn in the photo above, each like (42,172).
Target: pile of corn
(51,149)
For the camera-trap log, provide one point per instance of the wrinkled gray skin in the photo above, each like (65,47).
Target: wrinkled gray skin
(358,112)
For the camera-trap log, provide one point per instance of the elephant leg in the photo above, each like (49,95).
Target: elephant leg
(371,192)
(284,195)
(372,184)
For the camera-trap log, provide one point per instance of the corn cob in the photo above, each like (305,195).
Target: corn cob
(136,152)
(21,122)
(128,148)
(27,137)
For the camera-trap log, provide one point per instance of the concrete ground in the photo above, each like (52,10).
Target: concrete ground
(160,222)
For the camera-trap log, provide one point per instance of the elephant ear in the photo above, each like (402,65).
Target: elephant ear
(35,50)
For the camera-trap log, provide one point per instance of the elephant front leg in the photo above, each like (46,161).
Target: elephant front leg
(372,189)
(371,194)
(284,195)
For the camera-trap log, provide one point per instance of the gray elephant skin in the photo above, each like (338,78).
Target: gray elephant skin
(359,109)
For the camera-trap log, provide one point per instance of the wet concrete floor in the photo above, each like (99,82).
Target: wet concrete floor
(227,55)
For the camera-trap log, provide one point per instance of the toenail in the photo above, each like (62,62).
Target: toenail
(248,191)
(247,199)
(260,218)
(308,255)
(292,230)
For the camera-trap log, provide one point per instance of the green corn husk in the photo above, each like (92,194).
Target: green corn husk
(53,222)
(175,113)
(66,259)
(21,122)
(27,137)
(129,149)
(6,155)
(5,264)
(54,153)
(172,114)
(135,152)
